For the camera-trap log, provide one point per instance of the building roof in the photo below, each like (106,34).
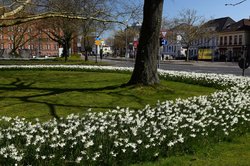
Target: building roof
(220,23)
(243,24)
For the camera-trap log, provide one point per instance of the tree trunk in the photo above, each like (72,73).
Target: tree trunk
(65,52)
(86,51)
(187,55)
(66,44)
(145,70)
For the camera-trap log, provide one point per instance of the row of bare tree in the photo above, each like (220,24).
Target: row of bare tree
(62,21)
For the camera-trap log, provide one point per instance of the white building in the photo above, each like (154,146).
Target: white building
(174,48)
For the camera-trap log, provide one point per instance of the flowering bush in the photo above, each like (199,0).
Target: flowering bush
(124,136)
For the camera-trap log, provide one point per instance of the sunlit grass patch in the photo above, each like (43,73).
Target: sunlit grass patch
(233,153)
(45,94)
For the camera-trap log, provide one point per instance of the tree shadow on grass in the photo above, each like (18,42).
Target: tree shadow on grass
(19,85)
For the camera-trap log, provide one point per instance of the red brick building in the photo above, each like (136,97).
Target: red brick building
(26,41)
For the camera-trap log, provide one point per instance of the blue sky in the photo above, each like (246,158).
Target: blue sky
(208,8)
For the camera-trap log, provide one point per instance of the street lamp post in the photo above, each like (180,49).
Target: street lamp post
(243,63)
(126,39)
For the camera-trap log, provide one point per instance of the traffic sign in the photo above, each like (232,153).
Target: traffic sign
(135,44)
(163,33)
(98,42)
(163,42)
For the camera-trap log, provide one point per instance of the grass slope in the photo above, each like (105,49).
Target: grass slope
(57,61)
(233,153)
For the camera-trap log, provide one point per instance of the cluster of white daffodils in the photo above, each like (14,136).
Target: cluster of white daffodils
(122,136)
(67,67)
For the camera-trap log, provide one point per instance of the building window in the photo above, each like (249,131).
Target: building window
(213,41)
(230,40)
(221,41)
(48,47)
(235,39)
(11,37)
(30,46)
(240,39)
(19,29)
(11,46)
(56,47)
(225,40)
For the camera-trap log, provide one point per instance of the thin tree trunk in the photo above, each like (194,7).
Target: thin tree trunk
(85,48)
(145,71)
(65,53)
(187,58)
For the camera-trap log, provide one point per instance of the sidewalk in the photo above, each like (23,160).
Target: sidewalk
(202,63)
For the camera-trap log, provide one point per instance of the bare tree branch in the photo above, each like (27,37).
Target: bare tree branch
(17,10)
(235,4)
(21,20)
(18,15)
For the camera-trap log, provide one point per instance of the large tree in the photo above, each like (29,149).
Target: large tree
(190,27)
(145,69)
(19,36)
(65,30)
(122,38)
(62,31)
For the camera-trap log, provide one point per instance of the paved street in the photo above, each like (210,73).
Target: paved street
(192,66)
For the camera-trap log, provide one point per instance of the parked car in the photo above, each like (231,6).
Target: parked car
(107,51)
(167,57)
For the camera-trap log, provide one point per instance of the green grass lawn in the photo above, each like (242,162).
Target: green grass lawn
(46,94)
(57,61)
(233,153)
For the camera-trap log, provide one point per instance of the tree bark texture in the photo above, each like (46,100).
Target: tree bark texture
(145,69)
(66,45)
